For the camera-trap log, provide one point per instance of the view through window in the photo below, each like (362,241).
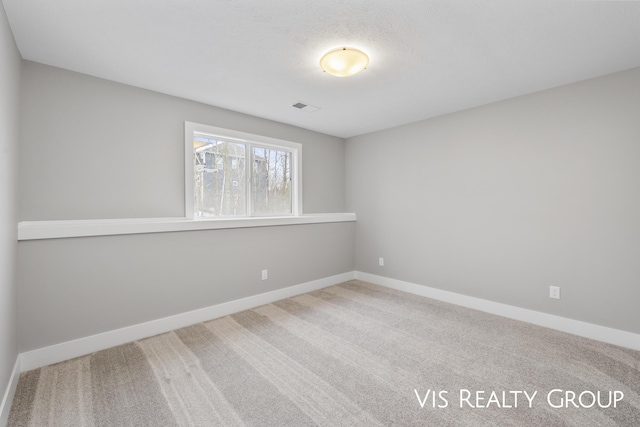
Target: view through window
(233,178)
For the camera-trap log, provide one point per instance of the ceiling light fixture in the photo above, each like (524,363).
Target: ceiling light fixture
(344,62)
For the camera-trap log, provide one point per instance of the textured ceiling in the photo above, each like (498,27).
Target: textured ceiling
(259,57)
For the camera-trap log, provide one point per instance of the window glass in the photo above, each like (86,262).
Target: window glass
(271,182)
(229,173)
(219,177)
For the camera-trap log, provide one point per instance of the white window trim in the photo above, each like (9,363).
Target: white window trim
(234,135)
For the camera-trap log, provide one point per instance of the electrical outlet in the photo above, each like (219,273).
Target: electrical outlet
(554,292)
(381,262)
(265,274)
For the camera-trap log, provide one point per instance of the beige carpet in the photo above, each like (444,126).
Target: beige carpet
(349,355)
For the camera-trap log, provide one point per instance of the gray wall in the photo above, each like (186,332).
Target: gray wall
(98,149)
(73,288)
(501,201)
(95,149)
(9,120)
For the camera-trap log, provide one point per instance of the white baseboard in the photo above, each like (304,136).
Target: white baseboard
(5,404)
(68,350)
(576,327)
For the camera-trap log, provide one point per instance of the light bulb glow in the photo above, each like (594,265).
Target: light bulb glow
(344,61)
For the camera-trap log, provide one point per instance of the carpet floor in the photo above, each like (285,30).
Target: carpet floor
(354,354)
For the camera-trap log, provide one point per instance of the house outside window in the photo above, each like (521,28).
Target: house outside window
(235,174)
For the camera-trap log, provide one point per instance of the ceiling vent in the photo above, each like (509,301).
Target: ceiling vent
(305,107)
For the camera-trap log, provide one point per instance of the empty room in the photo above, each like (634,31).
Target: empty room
(329,213)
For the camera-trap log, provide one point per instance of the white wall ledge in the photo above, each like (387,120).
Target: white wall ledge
(37,230)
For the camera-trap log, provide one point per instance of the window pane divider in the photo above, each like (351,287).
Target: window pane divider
(248,166)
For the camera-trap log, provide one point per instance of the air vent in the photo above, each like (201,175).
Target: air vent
(305,107)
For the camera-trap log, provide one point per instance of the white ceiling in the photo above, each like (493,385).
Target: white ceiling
(259,57)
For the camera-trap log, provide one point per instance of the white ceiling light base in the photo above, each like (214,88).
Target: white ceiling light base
(344,62)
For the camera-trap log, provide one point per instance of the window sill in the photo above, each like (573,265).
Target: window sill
(37,230)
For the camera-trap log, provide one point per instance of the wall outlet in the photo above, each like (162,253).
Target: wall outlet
(381,262)
(554,292)
(265,274)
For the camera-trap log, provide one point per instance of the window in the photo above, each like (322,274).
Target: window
(236,174)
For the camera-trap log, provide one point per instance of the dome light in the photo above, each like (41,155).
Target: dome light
(344,62)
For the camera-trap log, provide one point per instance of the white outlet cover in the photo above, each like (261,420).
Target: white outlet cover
(554,292)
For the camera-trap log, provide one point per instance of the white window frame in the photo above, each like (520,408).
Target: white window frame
(250,139)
